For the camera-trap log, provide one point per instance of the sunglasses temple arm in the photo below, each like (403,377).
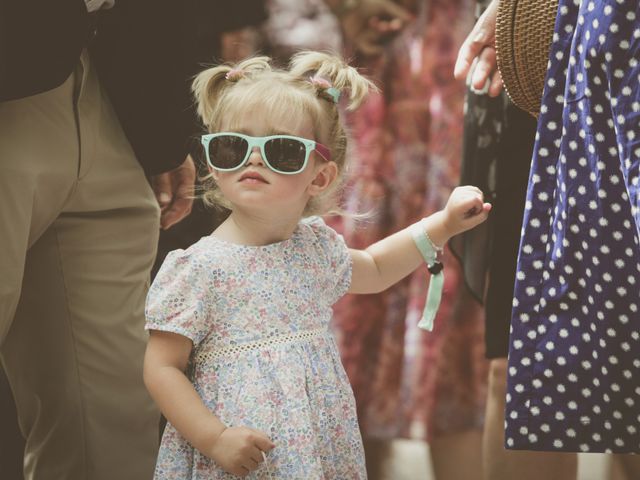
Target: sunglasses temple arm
(323,151)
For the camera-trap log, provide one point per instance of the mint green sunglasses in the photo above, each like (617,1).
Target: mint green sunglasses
(286,154)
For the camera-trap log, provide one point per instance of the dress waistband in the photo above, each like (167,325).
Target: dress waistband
(273,341)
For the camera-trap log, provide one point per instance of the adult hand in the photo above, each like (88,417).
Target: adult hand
(239,450)
(480,44)
(174,192)
(369,25)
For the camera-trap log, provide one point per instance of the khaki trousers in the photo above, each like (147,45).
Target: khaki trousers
(78,235)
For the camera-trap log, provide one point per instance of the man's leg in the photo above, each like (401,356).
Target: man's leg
(74,353)
(11,440)
(78,382)
(35,181)
(502,464)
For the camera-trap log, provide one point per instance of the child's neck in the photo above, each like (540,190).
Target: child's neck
(246,229)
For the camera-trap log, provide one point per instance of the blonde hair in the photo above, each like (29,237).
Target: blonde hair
(226,89)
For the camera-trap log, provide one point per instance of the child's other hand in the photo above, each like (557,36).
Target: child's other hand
(465,209)
(238,450)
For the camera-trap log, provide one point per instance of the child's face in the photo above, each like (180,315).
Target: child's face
(256,188)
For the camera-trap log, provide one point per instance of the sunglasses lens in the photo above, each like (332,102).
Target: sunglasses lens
(227,151)
(285,154)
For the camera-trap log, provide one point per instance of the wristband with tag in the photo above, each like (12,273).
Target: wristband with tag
(431,254)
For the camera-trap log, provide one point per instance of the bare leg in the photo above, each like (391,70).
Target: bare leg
(630,465)
(501,464)
(457,456)
(376,456)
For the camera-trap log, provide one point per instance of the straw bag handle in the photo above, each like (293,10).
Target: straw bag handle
(524,32)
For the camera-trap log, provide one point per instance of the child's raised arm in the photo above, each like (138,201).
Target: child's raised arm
(237,450)
(391,259)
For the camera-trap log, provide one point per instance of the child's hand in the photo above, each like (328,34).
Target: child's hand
(465,209)
(238,450)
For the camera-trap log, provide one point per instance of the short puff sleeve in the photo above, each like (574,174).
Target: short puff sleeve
(179,298)
(336,255)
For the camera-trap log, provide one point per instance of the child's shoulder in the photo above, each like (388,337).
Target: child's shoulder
(199,257)
(318,235)
(316,229)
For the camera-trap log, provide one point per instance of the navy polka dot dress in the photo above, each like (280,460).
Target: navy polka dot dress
(574,360)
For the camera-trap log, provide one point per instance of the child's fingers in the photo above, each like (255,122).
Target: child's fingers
(250,464)
(469,188)
(256,455)
(484,214)
(472,206)
(468,193)
(480,217)
(239,472)
(263,442)
(476,192)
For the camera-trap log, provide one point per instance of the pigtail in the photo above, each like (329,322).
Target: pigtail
(333,69)
(207,88)
(210,84)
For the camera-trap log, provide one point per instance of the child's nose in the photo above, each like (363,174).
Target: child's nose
(255,158)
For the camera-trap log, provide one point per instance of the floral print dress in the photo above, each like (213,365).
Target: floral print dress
(263,355)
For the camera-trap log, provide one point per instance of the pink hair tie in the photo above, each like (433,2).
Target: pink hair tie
(320,82)
(324,85)
(234,74)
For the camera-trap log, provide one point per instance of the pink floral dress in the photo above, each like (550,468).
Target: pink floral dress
(263,354)
(407,144)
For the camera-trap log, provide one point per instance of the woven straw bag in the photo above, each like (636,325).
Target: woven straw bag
(524,31)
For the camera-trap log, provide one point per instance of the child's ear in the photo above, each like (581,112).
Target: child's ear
(325,176)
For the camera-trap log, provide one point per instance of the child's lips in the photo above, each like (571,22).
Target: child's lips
(252,177)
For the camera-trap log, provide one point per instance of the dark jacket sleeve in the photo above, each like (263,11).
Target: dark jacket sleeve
(40,44)
(145,53)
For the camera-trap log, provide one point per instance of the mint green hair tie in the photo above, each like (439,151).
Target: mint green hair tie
(323,85)
(334,93)
(430,254)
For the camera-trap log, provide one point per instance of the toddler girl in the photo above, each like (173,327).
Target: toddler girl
(240,358)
